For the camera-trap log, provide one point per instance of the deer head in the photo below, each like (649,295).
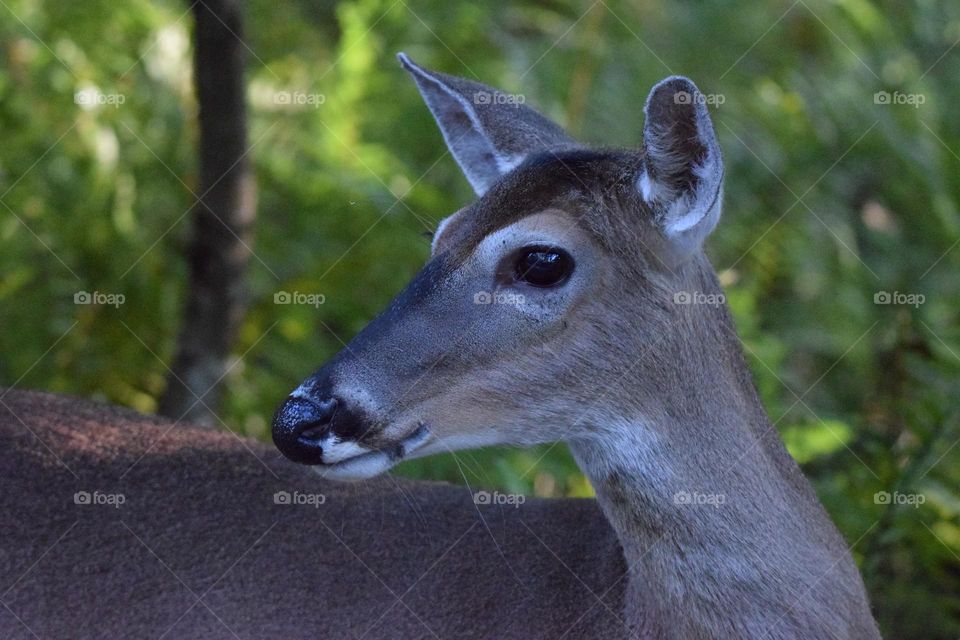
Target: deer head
(548,308)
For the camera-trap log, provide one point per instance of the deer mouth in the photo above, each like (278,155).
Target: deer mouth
(342,442)
(368,464)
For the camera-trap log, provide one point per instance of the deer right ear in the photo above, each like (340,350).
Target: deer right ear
(487,131)
(682,177)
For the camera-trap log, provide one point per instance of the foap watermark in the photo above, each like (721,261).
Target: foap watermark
(912,99)
(297,297)
(99,498)
(899,298)
(488,498)
(89,98)
(297,498)
(299,99)
(887,498)
(498,297)
(699,297)
(100,298)
(496,97)
(685,97)
(698,499)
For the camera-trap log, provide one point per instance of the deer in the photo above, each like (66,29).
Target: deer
(571,302)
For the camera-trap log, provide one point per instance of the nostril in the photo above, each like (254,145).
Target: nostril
(298,426)
(315,432)
(300,415)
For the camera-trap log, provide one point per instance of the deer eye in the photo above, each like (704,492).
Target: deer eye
(543,266)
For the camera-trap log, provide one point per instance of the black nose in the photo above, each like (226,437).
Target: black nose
(298,426)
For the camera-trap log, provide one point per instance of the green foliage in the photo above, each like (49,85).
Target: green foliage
(831,198)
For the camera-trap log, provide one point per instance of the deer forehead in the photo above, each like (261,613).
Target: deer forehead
(582,183)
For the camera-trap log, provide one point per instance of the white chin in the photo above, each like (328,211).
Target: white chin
(373,463)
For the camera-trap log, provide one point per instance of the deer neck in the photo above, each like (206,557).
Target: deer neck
(722,533)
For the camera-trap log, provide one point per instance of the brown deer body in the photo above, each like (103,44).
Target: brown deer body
(380,560)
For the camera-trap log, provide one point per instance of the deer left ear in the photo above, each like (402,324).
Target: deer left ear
(487,131)
(682,176)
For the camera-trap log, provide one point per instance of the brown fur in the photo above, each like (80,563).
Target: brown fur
(203,507)
(585,183)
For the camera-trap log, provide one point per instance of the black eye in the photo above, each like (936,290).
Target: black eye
(543,266)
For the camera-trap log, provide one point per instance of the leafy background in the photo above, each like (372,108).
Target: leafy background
(832,196)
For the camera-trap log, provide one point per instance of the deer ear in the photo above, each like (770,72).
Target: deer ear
(487,131)
(682,177)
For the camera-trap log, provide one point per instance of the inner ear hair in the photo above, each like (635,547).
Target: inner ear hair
(682,176)
(669,168)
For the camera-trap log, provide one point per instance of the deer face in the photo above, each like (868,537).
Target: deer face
(535,295)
